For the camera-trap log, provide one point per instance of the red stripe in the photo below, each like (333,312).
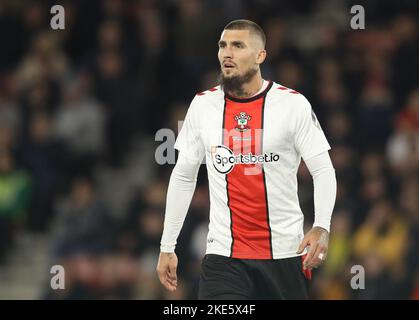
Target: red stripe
(246,192)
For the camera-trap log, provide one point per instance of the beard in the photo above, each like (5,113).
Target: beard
(234,84)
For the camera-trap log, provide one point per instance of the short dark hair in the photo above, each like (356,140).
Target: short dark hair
(243,24)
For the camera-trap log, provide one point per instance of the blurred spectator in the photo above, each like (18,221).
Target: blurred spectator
(196,44)
(38,97)
(15,192)
(83,225)
(340,247)
(142,227)
(9,110)
(7,138)
(45,157)
(290,74)
(405,29)
(384,232)
(339,128)
(44,62)
(80,124)
(380,244)
(403,145)
(121,96)
(374,118)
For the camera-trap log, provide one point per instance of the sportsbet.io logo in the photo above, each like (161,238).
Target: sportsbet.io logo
(224,160)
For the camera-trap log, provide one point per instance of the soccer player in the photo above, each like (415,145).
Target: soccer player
(253,133)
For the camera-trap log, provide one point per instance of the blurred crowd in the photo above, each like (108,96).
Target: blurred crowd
(74,101)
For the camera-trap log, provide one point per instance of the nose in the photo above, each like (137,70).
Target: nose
(226,53)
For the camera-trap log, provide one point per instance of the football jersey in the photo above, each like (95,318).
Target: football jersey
(252,149)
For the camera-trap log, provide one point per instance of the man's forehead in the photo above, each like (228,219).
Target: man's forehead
(233,35)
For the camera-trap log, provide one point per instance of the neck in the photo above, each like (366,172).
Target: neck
(250,88)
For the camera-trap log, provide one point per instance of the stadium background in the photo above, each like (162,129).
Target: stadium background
(79,109)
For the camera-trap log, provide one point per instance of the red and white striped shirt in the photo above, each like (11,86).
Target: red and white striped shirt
(252,148)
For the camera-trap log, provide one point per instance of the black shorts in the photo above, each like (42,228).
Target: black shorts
(228,278)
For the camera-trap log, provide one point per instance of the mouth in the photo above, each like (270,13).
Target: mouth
(229,65)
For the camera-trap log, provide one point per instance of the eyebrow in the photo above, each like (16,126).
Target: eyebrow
(234,43)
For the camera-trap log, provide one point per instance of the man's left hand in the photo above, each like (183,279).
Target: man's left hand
(317,239)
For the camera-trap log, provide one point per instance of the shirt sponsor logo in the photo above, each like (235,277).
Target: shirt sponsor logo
(224,159)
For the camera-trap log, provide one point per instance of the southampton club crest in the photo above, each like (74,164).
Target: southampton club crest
(242,121)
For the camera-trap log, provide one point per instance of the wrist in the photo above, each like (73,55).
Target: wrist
(321,227)
(167,248)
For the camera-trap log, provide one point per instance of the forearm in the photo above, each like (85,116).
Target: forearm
(179,195)
(324,181)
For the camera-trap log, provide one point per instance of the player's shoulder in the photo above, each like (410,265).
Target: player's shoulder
(204,101)
(291,97)
(209,91)
(210,95)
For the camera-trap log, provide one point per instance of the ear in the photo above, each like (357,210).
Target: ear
(261,56)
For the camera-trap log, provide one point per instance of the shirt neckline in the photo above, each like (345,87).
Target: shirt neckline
(253,98)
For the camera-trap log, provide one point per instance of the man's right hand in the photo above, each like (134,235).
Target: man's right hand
(166,270)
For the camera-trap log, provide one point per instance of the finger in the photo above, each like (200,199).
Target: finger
(172,280)
(303,244)
(169,286)
(168,283)
(162,276)
(310,254)
(316,261)
(172,273)
(165,281)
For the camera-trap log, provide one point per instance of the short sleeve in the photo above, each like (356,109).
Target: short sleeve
(309,136)
(189,140)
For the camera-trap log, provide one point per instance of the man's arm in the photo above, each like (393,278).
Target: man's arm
(179,195)
(324,181)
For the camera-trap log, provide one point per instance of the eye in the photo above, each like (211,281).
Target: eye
(221,45)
